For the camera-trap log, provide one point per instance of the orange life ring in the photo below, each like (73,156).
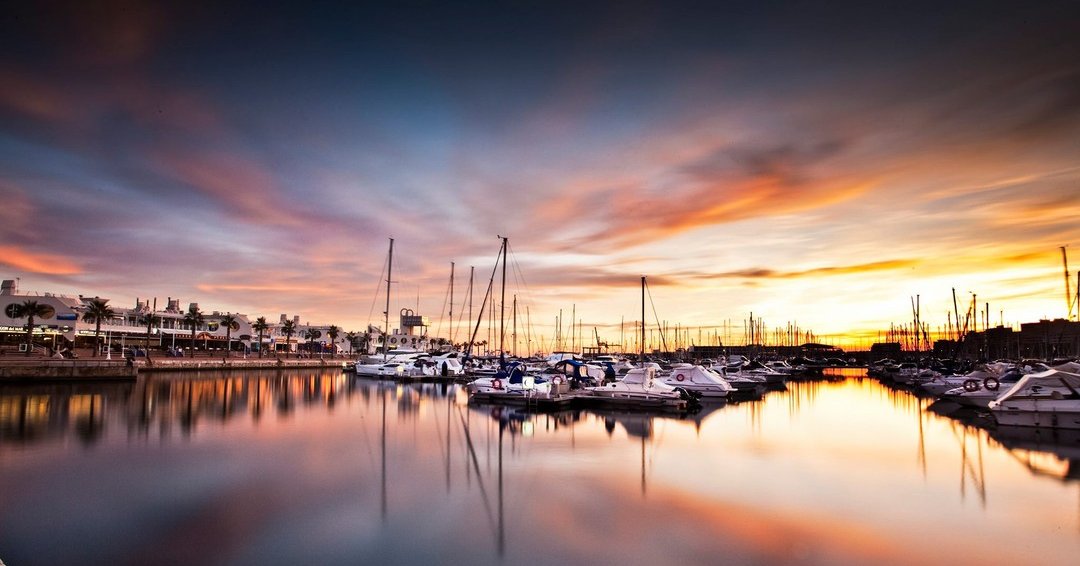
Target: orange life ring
(496,384)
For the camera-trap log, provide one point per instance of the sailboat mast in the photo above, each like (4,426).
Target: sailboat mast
(502,302)
(451,305)
(386,322)
(641,354)
(472,273)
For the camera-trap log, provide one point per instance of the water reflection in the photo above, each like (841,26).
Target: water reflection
(158,405)
(340,471)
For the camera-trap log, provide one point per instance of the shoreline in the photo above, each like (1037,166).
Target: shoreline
(32,370)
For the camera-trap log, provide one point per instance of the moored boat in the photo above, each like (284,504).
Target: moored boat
(639,389)
(696,379)
(1049,399)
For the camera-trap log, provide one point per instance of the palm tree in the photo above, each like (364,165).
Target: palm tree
(288,328)
(351,338)
(149,319)
(194,317)
(98,311)
(261,326)
(309,335)
(229,321)
(31,309)
(365,341)
(333,333)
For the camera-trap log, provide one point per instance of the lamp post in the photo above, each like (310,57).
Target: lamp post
(108,345)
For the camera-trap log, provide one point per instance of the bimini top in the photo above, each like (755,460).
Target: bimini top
(1049,384)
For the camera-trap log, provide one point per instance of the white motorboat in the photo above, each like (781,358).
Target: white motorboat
(907,372)
(782,367)
(942,384)
(756,369)
(392,369)
(1049,399)
(639,389)
(515,382)
(698,380)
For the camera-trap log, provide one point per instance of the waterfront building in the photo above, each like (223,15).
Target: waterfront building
(1047,339)
(62,324)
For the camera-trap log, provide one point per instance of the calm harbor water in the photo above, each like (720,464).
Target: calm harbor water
(302,467)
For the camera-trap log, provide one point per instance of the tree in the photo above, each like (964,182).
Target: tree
(288,328)
(98,311)
(194,318)
(309,335)
(260,325)
(31,309)
(351,338)
(149,319)
(230,322)
(365,341)
(333,332)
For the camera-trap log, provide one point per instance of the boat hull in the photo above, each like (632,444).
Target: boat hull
(1047,416)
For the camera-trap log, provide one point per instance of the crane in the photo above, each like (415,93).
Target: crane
(1068,292)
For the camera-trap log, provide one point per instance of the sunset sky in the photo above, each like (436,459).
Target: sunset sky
(804,161)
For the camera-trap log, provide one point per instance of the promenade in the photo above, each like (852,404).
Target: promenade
(18,367)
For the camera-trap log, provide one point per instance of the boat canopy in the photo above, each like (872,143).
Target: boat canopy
(639,375)
(1071,367)
(1045,384)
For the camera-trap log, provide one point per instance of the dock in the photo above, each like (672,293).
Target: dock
(537,402)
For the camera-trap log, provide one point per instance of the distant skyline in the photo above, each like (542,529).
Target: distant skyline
(811,162)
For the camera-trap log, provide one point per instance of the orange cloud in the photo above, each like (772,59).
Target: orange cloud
(47,264)
(829,270)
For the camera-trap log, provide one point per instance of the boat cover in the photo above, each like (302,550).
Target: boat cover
(1068,383)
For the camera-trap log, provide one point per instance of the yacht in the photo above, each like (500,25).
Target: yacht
(1049,399)
(756,369)
(639,389)
(698,380)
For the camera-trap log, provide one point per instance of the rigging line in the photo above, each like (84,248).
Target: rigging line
(446,296)
(517,270)
(378,287)
(480,317)
(519,276)
(663,341)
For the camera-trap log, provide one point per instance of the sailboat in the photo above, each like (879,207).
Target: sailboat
(512,382)
(387,368)
(639,388)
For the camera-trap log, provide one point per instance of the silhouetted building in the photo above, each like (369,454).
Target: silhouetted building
(1049,339)
(881,350)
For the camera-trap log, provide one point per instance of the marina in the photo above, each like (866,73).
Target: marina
(318,466)
(533,283)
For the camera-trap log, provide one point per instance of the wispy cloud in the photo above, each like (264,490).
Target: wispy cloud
(43,263)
